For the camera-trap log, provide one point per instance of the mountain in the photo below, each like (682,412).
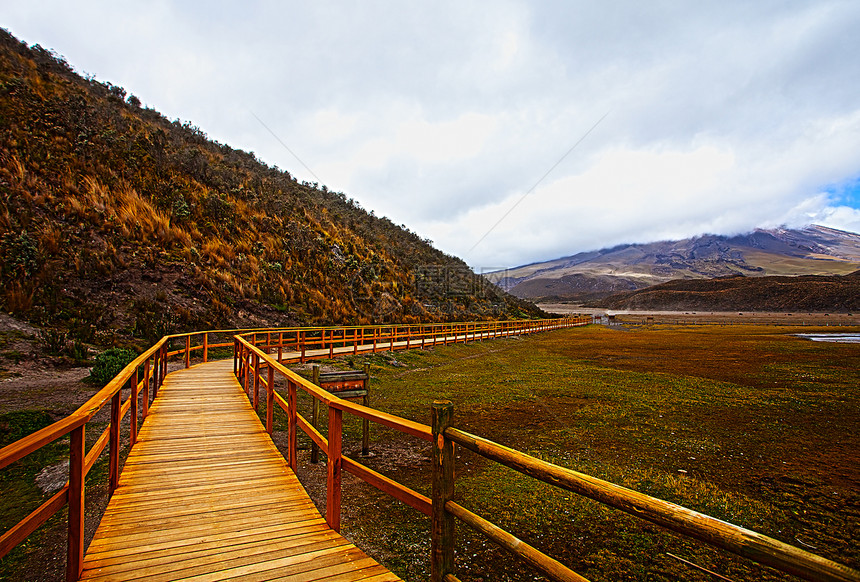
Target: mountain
(805,293)
(813,250)
(117,221)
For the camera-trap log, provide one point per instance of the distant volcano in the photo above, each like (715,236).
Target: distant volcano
(590,276)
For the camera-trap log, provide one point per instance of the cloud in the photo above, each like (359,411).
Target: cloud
(723,115)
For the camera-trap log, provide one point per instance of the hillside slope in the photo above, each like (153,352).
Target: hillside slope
(808,293)
(814,250)
(114,218)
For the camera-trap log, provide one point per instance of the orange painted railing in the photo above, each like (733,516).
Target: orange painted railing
(258,363)
(255,366)
(259,356)
(143,377)
(145,373)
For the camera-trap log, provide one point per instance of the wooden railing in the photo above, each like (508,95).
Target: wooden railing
(256,366)
(145,373)
(712,531)
(259,355)
(143,377)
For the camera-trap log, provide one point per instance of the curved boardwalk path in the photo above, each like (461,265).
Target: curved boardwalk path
(205,495)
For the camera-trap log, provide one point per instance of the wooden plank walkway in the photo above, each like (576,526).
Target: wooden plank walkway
(206,495)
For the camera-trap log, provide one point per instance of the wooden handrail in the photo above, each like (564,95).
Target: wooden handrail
(251,355)
(552,568)
(714,532)
(150,366)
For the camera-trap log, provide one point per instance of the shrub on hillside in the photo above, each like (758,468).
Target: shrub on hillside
(109,363)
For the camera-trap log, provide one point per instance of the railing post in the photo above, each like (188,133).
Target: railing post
(442,526)
(292,442)
(256,381)
(280,346)
(163,365)
(113,474)
(205,346)
(236,358)
(302,346)
(270,399)
(133,411)
(156,366)
(188,351)
(146,376)
(315,449)
(365,424)
(245,365)
(333,483)
(75,546)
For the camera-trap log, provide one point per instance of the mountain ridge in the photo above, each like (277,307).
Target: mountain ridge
(802,293)
(592,275)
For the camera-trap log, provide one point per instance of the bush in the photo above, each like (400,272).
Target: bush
(109,363)
(20,423)
(53,340)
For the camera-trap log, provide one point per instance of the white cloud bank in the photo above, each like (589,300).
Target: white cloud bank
(722,115)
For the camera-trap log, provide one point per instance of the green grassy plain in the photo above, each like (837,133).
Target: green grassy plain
(745,423)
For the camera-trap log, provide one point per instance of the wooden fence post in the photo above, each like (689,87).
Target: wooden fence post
(292,413)
(133,411)
(146,376)
(75,547)
(188,351)
(236,358)
(256,381)
(442,526)
(156,368)
(163,365)
(333,482)
(245,365)
(113,472)
(205,346)
(270,399)
(365,424)
(315,449)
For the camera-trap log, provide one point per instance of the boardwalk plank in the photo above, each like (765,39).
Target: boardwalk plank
(205,495)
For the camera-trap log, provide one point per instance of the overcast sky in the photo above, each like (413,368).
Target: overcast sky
(717,117)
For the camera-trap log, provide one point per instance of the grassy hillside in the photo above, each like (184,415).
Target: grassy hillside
(113,217)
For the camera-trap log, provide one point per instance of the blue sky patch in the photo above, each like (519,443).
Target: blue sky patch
(847,193)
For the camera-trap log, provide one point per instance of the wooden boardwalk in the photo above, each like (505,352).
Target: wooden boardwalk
(206,495)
